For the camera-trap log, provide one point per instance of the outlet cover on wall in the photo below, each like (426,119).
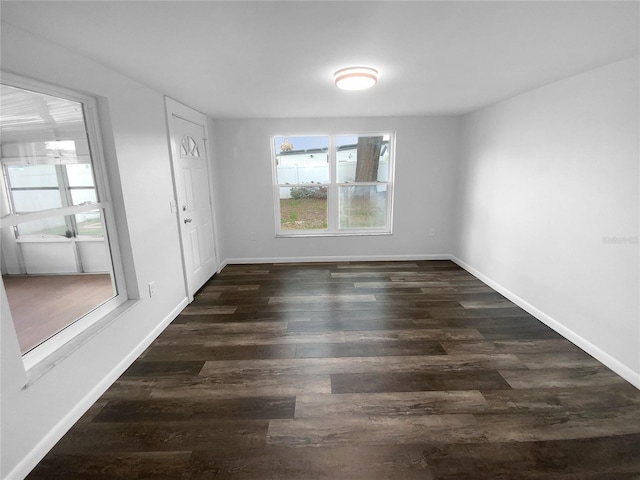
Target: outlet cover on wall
(152,289)
(432,232)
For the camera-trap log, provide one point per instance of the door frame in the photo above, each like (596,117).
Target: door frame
(173,109)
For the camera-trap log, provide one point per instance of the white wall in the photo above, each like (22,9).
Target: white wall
(426,155)
(545,179)
(135,140)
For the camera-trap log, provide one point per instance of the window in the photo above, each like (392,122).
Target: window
(333,184)
(60,262)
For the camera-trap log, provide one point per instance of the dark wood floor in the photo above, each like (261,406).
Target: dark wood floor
(356,371)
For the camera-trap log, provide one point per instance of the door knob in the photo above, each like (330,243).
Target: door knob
(187,220)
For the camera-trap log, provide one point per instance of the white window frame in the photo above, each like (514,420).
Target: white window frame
(104,204)
(333,187)
(64,191)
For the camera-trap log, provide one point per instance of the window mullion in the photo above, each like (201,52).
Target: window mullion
(333,188)
(65,197)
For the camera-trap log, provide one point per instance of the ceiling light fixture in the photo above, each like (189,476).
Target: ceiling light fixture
(355,78)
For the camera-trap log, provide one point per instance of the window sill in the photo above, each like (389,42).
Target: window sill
(308,234)
(57,239)
(41,368)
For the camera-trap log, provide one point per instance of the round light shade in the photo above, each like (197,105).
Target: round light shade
(355,78)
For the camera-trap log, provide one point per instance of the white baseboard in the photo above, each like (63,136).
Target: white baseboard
(29,462)
(322,259)
(618,367)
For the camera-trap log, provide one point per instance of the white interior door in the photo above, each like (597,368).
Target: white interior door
(193,195)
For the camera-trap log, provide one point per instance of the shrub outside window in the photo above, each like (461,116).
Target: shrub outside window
(333,184)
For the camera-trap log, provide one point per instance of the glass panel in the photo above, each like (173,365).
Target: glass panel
(35,200)
(302,160)
(86,223)
(80,175)
(80,196)
(29,116)
(40,273)
(89,223)
(26,176)
(46,158)
(54,226)
(303,208)
(362,159)
(363,206)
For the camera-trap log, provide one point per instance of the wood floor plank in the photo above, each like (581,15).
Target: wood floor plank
(418,334)
(416,382)
(225,352)
(208,310)
(462,312)
(200,329)
(183,410)
(561,377)
(164,368)
(228,288)
(227,340)
(408,284)
(376,266)
(520,427)
(351,325)
(563,399)
(319,463)
(103,466)
(573,359)
(253,317)
(374,431)
(502,303)
(161,436)
(366,349)
(359,371)
(388,405)
(584,459)
(327,366)
(323,299)
(511,346)
(457,290)
(518,332)
(212,387)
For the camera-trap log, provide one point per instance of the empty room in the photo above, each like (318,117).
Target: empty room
(320,240)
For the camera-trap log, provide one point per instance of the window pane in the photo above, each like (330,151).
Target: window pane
(362,159)
(302,160)
(41,271)
(363,206)
(25,176)
(48,164)
(32,327)
(89,223)
(54,226)
(80,196)
(303,208)
(80,175)
(86,223)
(35,200)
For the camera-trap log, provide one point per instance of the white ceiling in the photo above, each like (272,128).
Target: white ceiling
(276,59)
